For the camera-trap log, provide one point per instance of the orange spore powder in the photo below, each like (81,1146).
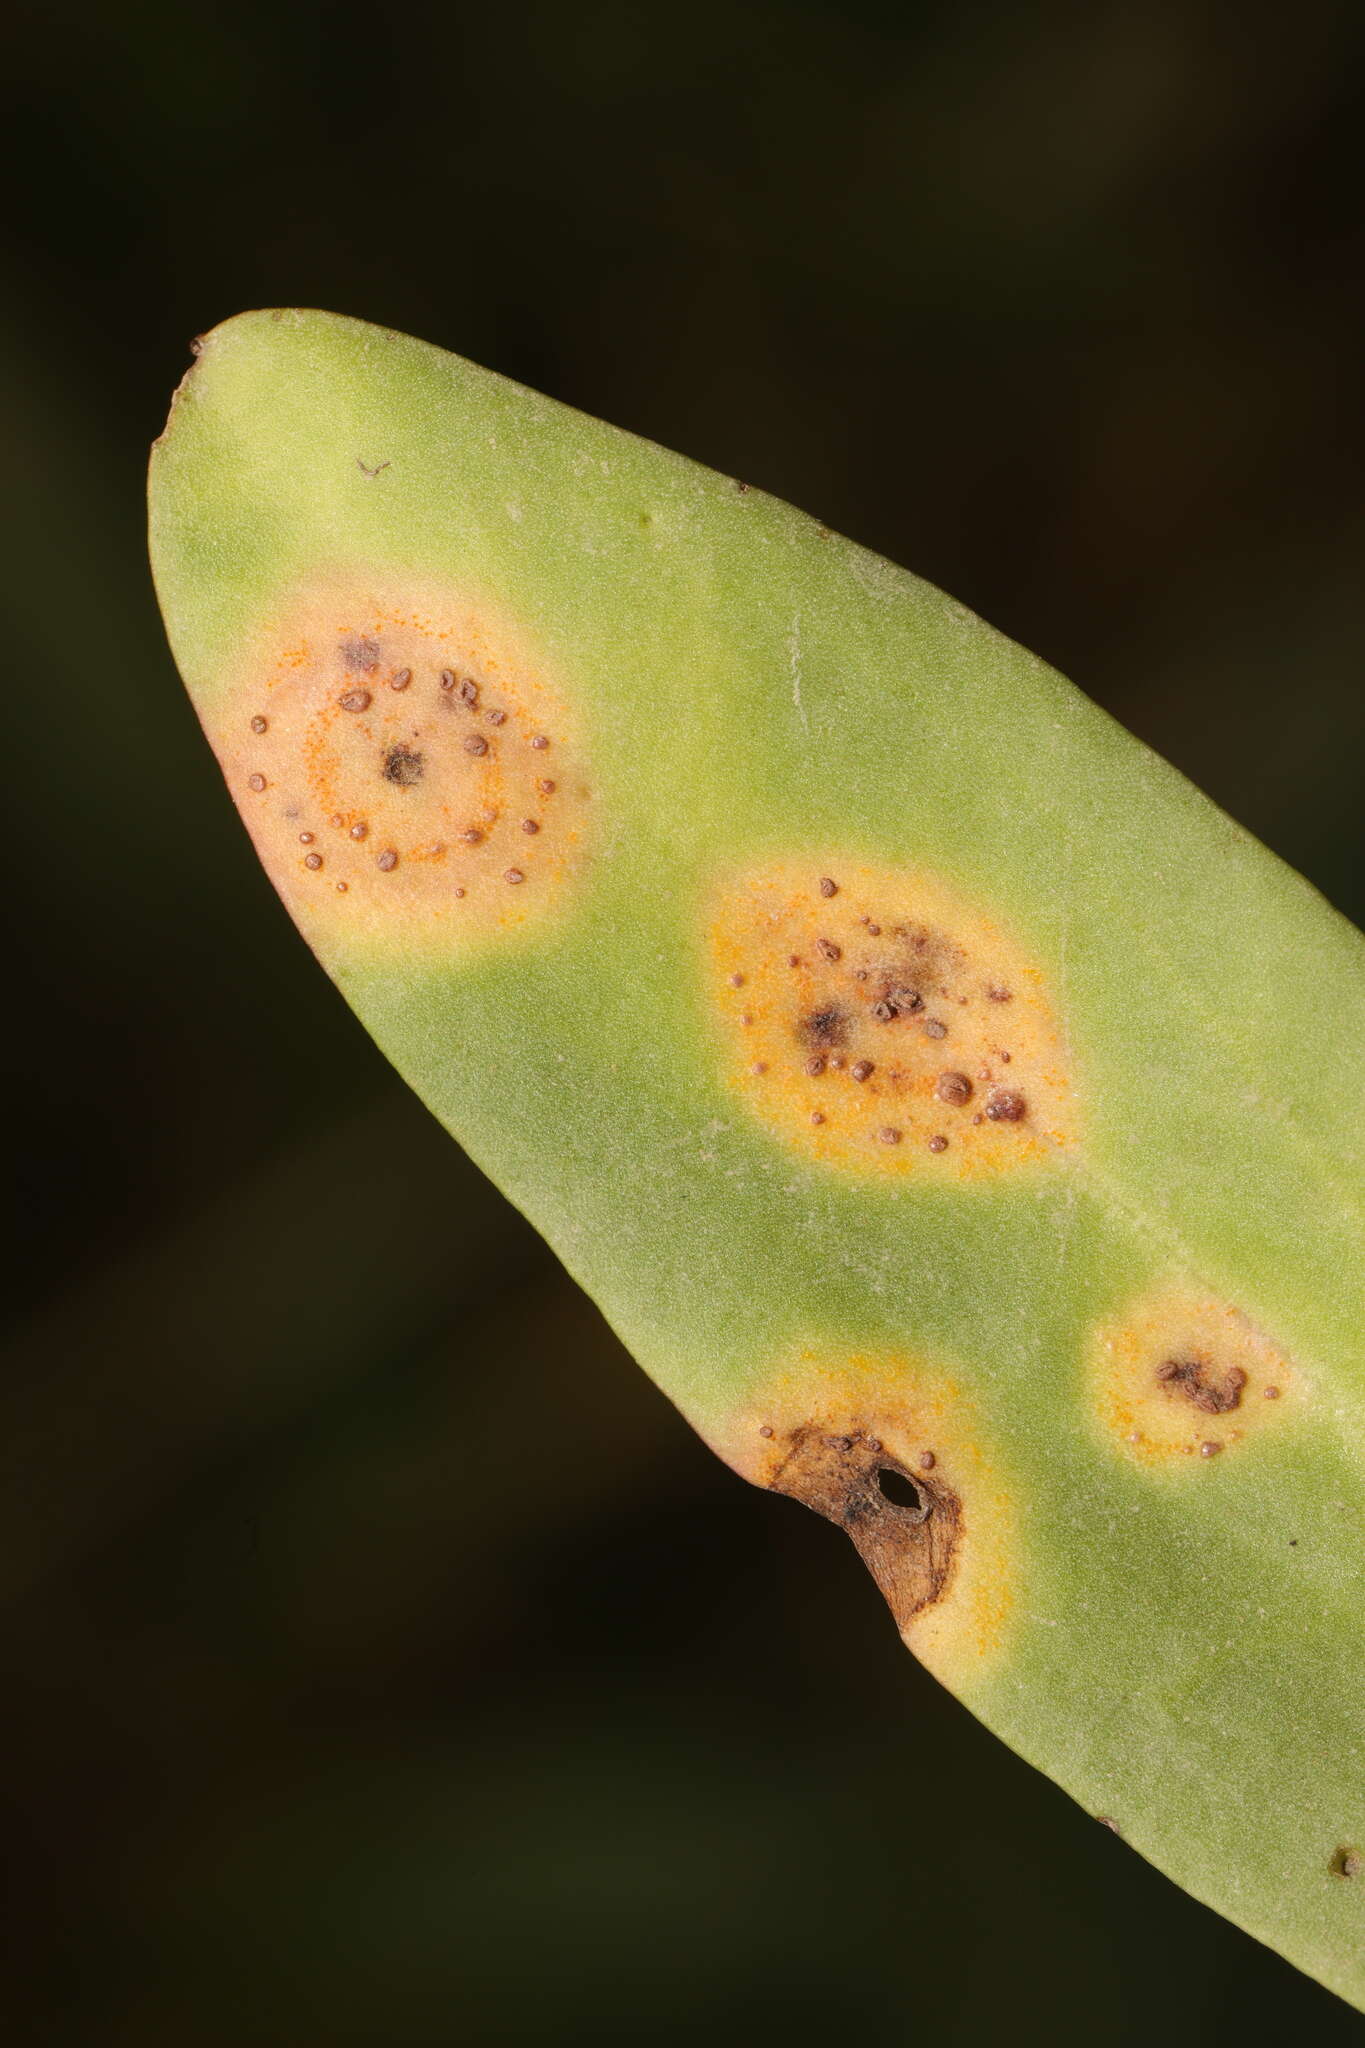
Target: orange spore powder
(878,1024)
(1181,1377)
(407,774)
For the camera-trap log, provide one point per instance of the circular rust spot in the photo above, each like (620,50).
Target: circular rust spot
(258,724)
(256,782)
(307,838)
(953,1088)
(530,825)
(312,860)
(356,700)
(815,1065)
(545,786)
(938,1143)
(359,829)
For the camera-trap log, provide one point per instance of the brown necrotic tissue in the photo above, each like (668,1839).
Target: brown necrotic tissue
(1180,1377)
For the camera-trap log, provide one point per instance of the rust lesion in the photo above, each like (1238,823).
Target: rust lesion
(1180,1376)
(907,1534)
(887,1447)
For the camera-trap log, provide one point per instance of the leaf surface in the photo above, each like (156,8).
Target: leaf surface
(957,1115)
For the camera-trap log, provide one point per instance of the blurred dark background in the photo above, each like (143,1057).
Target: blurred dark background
(386,1662)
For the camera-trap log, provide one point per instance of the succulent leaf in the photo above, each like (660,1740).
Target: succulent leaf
(957,1115)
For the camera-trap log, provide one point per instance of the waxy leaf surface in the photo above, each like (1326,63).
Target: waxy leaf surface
(956,1113)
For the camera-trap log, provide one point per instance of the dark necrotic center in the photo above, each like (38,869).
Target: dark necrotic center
(403,765)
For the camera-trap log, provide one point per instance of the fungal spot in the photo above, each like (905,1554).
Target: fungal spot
(496,717)
(404,771)
(1161,1368)
(312,860)
(513,875)
(307,838)
(403,765)
(828,886)
(842,1434)
(817,1116)
(540,743)
(1197,1381)
(1346,1862)
(342,887)
(867,972)
(545,786)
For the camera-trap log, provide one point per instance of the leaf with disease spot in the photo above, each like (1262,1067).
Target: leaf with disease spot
(957,1114)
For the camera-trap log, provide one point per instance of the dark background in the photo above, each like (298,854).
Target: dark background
(387,1663)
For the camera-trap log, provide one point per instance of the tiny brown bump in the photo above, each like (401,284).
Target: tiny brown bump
(953,1088)
(1005,1107)
(1004,1059)
(759,1067)
(934,1029)
(401,680)
(476,744)
(256,782)
(545,786)
(337,820)
(736,981)
(469,691)
(889,1135)
(861,1069)
(529,825)
(1270,1393)
(513,875)
(815,1065)
(312,860)
(927,1461)
(827,949)
(258,724)
(496,717)
(448,679)
(540,743)
(359,829)
(997,994)
(874,931)
(387,861)
(1346,1863)
(828,886)
(817,1116)
(746,1019)
(306,838)
(765,1429)
(793,959)
(1209,1448)
(342,887)
(356,700)
(472,836)
(938,1143)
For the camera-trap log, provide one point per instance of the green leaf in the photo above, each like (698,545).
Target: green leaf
(956,1114)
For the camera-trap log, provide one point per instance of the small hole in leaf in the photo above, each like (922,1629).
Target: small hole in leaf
(900,1489)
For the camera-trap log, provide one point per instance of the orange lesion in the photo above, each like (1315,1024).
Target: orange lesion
(1182,1376)
(880,1024)
(406,770)
(828,1428)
